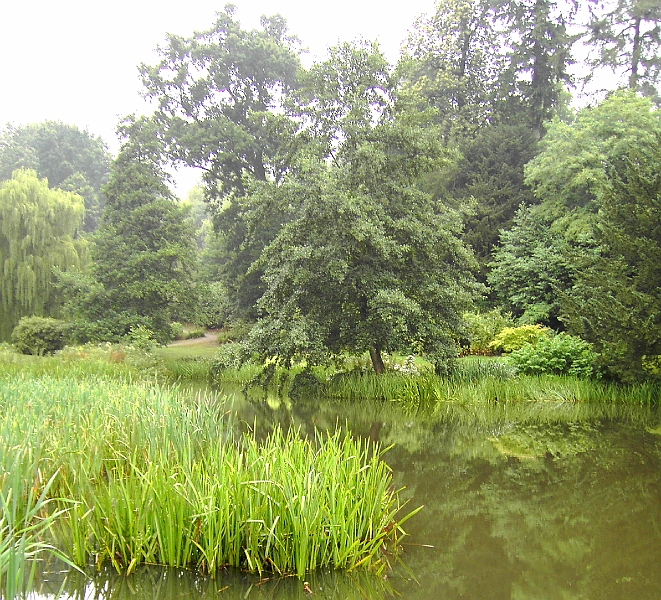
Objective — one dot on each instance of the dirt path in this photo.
(209, 339)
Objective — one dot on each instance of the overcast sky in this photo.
(76, 61)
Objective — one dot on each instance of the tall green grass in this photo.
(146, 475)
(486, 382)
(26, 516)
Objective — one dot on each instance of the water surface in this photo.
(521, 501)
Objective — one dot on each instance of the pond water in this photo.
(521, 501)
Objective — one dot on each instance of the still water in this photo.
(521, 501)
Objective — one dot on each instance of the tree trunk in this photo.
(635, 56)
(377, 361)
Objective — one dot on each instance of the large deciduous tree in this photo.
(454, 58)
(364, 261)
(37, 230)
(570, 168)
(218, 94)
(71, 160)
(627, 37)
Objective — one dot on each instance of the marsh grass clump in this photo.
(142, 474)
(26, 515)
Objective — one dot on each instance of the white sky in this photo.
(76, 61)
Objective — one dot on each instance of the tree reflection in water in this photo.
(522, 501)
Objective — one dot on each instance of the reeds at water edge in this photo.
(138, 474)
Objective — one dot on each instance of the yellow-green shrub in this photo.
(514, 338)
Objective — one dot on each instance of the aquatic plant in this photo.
(147, 475)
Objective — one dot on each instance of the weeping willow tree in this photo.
(37, 230)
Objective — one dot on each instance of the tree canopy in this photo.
(37, 230)
(144, 250)
(217, 95)
(70, 159)
(364, 261)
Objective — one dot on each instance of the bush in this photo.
(562, 354)
(39, 335)
(229, 356)
(142, 337)
(237, 332)
(514, 338)
(213, 307)
(192, 334)
(177, 330)
(483, 328)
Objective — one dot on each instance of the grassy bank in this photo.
(144, 475)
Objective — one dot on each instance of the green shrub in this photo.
(229, 356)
(652, 365)
(195, 333)
(39, 335)
(142, 337)
(514, 338)
(562, 354)
(483, 329)
(236, 332)
(213, 305)
(177, 330)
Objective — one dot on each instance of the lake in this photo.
(521, 501)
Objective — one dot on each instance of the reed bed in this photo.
(25, 517)
(486, 382)
(143, 475)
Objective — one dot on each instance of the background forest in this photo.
(356, 206)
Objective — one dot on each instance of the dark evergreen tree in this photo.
(144, 250)
(616, 302)
(539, 54)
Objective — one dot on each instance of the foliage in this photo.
(39, 335)
(534, 262)
(218, 94)
(151, 478)
(482, 328)
(70, 159)
(366, 261)
(236, 332)
(230, 355)
(627, 37)
(213, 305)
(570, 170)
(514, 338)
(549, 244)
(490, 177)
(141, 337)
(177, 330)
(598, 185)
(37, 233)
(539, 55)
(561, 354)
(454, 57)
(616, 302)
(144, 249)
